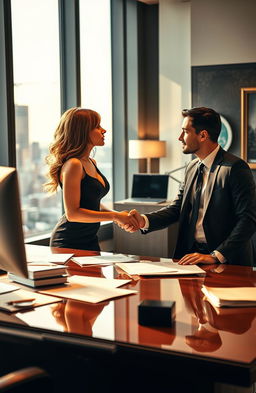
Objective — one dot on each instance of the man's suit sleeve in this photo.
(243, 199)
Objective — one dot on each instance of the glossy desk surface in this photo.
(226, 335)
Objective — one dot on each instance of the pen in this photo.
(21, 301)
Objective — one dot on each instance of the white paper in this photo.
(88, 293)
(182, 269)
(102, 259)
(142, 268)
(98, 281)
(158, 268)
(40, 254)
(5, 288)
(46, 268)
(119, 257)
(36, 271)
(21, 294)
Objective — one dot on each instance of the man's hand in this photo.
(139, 220)
(195, 258)
(124, 219)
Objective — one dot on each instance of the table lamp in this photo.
(147, 149)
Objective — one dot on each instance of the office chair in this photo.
(26, 380)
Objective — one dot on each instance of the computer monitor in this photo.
(12, 249)
(149, 185)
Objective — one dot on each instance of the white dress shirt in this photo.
(199, 230)
(208, 161)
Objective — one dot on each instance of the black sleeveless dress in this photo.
(83, 236)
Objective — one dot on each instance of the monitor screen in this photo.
(150, 185)
(12, 249)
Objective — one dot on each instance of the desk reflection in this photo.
(77, 317)
(210, 321)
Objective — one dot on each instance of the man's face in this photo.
(190, 140)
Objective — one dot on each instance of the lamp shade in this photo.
(147, 149)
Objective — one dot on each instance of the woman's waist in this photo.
(76, 224)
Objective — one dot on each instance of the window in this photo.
(35, 32)
(96, 93)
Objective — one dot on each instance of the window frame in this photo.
(7, 109)
(125, 83)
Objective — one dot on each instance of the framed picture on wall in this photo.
(248, 125)
(225, 137)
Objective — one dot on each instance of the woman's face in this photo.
(96, 136)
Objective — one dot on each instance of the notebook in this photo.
(149, 187)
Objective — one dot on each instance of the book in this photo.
(148, 268)
(230, 297)
(39, 282)
(37, 271)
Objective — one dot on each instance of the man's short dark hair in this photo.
(205, 119)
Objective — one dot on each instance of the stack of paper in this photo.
(39, 276)
(231, 297)
(39, 282)
(159, 269)
(91, 289)
(105, 259)
(37, 271)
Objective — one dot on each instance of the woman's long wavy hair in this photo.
(70, 140)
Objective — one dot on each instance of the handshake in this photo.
(130, 221)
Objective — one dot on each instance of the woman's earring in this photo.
(94, 150)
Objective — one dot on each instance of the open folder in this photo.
(91, 289)
(148, 268)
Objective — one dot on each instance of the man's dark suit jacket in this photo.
(230, 216)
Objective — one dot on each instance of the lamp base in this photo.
(148, 165)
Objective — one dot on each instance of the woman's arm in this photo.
(71, 176)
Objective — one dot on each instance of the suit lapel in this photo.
(212, 177)
(192, 172)
(187, 190)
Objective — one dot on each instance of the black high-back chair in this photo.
(26, 380)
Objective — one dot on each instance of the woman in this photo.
(83, 185)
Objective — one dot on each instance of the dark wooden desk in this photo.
(104, 345)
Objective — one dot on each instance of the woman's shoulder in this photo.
(72, 164)
(71, 169)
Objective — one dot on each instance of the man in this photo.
(216, 204)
